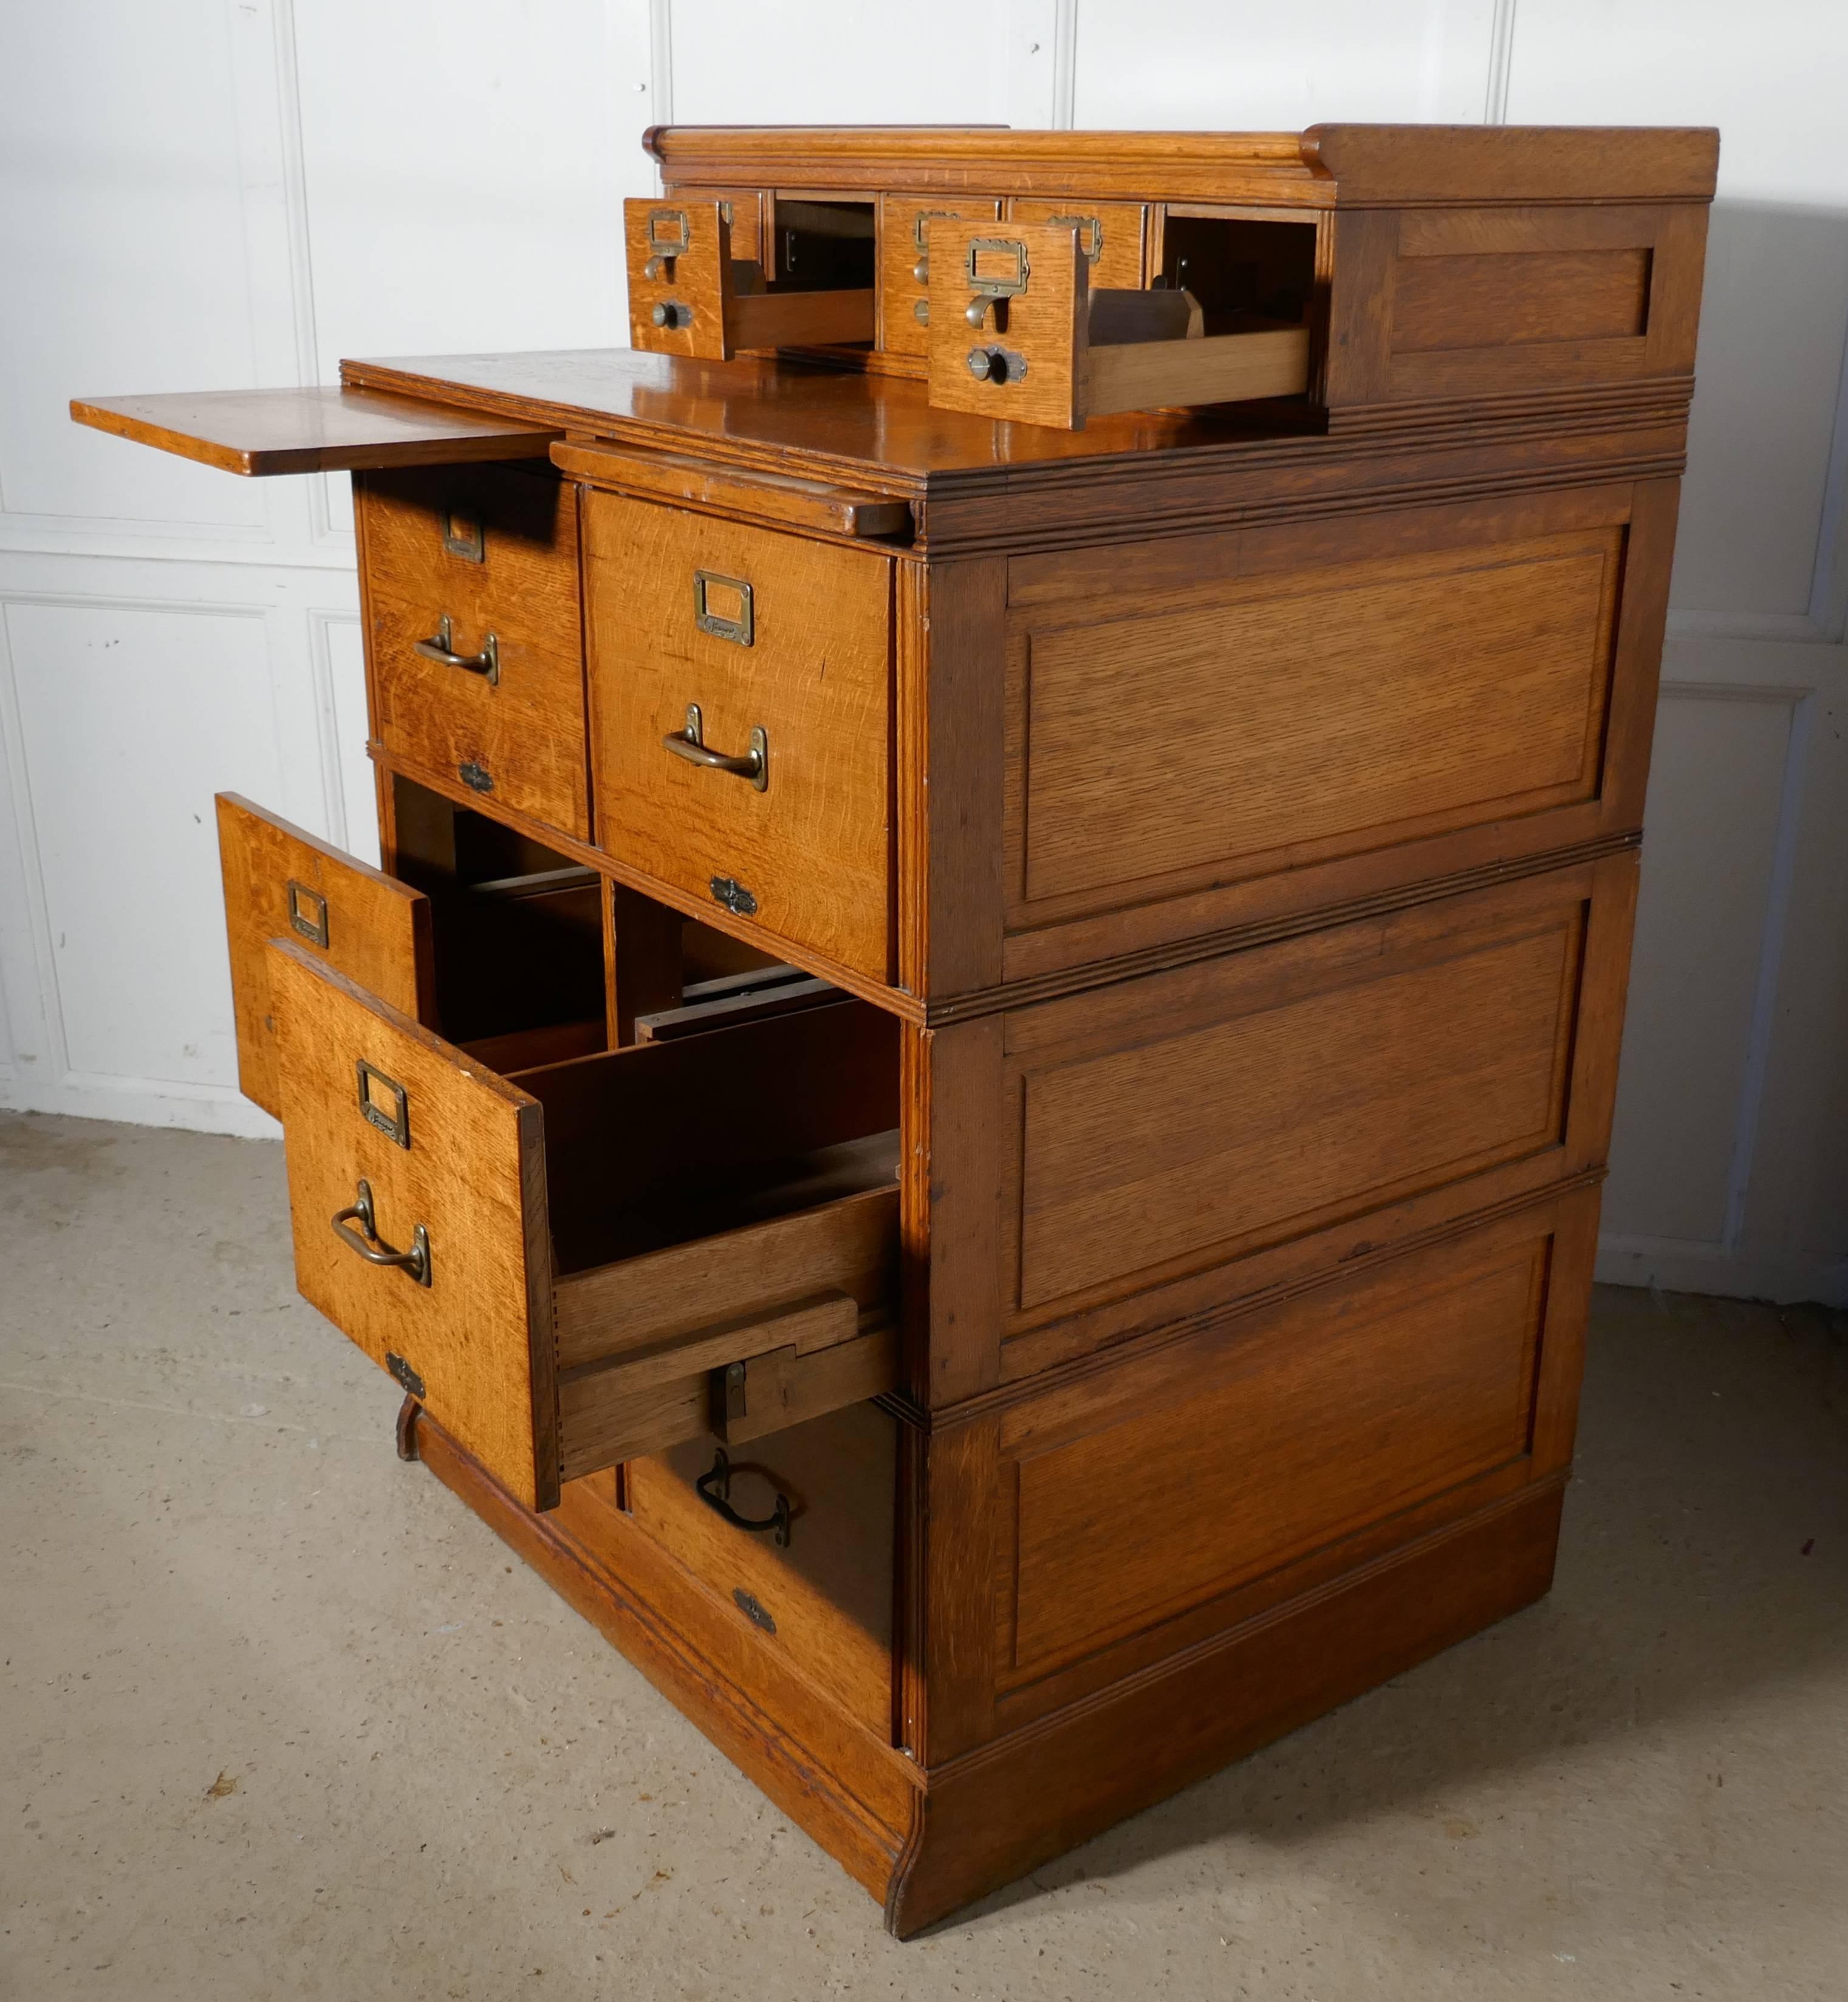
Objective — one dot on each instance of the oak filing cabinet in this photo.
(971, 1100)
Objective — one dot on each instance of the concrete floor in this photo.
(279, 1719)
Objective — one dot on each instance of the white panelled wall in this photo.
(213, 194)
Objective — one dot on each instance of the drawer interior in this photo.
(1248, 274)
(821, 246)
(741, 1125)
(517, 932)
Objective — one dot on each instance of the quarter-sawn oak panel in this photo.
(1336, 1411)
(1170, 1124)
(1287, 719)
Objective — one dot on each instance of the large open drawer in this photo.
(576, 1265)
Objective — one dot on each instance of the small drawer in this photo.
(577, 1264)
(1112, 234)
(470, 577)
(695, 290)
(1020, 330)
(802, 1547)
(444, 958)
(741, 723)
(905, 223)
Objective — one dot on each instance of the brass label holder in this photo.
(377, 1093)
(740, 627)
(308, 913)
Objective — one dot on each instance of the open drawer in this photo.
(1019, 330)
(578, 1265)
(693, 290)
(504, 950)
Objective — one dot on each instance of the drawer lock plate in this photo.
(735, 897)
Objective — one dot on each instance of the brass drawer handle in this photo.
(486, 663)
(690, 744)
(416, 1261)
(715, 1487)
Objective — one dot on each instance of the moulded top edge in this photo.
(1334, 166)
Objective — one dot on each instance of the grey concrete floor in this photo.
(278, 1717)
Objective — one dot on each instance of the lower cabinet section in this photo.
(1149, 1501)
(1131, 1509)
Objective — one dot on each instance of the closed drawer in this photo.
(563, 1264)
(780, 644)
(445, 959)
(471, 576)
(905, 223)
(1112, 235)
(819, 1582)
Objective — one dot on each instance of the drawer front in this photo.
(452, 1158)
(480, 563)
(904, 236)
(1113, 236)
(281, 882)
(1327, 1094)
(557, 1263)
(825, 1598)
(775, 641)
(1366, 1410)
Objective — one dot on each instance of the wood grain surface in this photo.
(311, 430)
(813, 849)
(479, 1336)
(523, 737)
(377, 931)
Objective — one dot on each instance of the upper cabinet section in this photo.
(1048, 278)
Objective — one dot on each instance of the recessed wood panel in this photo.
(1343, 1407)
(1174, 1123)
(1490, 302)
(1236, 727)
(796, 642)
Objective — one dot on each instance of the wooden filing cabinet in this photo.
(971, 1098)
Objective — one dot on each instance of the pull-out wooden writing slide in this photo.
(318, 429)
(688, 294)
(1018, 332)
(566, 1264)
